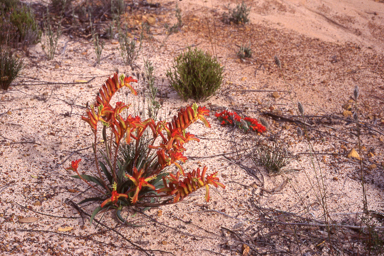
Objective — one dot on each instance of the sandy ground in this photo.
(326, 48)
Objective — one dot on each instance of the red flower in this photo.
(139, 182)
(114, 198)
(74, 165)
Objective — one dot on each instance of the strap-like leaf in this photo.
(96, 211)
(90, 178)
(105, 170)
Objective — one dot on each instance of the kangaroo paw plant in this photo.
(131, 167)
(246, 124)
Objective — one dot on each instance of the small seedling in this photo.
(51, 38)
(273, 158)
(9, 68)
(175, 28)
(244, 52)
(128, 49)
(99, 45)
(149, 78)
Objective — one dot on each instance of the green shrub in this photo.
(9, 68)
(24, 21)
(239, 15)
(196, 75)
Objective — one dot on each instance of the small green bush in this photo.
(239, 15)
(9, 68)
(196, 75)
(24, 20)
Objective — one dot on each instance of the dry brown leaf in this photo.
(64, 229)
(347, 113)
(275, 95)
(245, 250)
(28, 220)
(151, 20)
(353, 154)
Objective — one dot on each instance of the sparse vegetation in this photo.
(61, 5)
(7, 5)
(23, 19)
(195, 75)
(175, 28)
(239, 15)
(9, 68)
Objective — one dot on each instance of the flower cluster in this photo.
(232, 118)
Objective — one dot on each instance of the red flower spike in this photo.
(189, 137)
(201, 112)
(139, 182)
(91, 119)
(111, 86)
(192, 182)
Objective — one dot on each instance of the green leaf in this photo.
(105, 139)
(90, 178)
(106, 159)
(96, 211)
(159, 181)
(105, 170)
(120, 174)
(118, 214)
